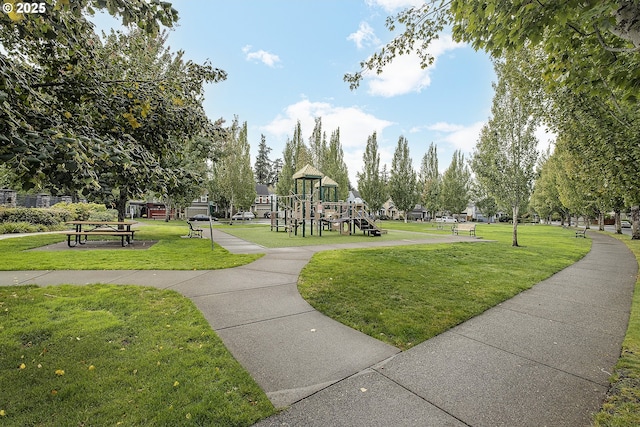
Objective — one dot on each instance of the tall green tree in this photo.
(601, 134)
(302, 154)
(505, 157)
(318, 145)
(80, 117)
(284, 186)
(334, 165)
(160, 103)
(263, 166)
(234, 174)
(571, 186)
(192, 169)
(276, 168)
(370, 183)
(296, 155)
(429, 181)
(545, 199)
(402, 182)
(456, 182)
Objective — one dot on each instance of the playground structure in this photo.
(314, 205)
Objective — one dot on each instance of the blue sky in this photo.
(286, 59)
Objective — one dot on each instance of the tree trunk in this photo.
(635, 223)
(627, 22)
(601, 221)
(121, 204)
(515, 226)
(618, 223)
(167, 209)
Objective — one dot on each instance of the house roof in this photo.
(308, 172)
(354, 196)
(262, 190)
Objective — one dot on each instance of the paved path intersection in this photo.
(541, 358)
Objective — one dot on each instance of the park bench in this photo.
(470, 228)
(125, 235)
(582, 233)
(194, 231)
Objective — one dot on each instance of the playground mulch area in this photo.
(96, 244)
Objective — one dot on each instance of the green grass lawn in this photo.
(105, 355)
(171, 252)
(406, 295)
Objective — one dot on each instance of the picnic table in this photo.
(84, 229)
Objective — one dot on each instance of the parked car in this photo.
(201, 217)
(243, 216)
(446, 219)
(625, 224)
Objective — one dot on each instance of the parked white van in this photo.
(446, 219)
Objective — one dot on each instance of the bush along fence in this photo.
(30, 220)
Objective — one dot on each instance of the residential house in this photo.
(389, 210)
(418, 214)
(198, 206)
(265, 200)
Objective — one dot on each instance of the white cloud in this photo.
(405, 75)
(364, 35)
(265, 57)
(465, 138)
(394, 5)
(461, 137)
(354, 123)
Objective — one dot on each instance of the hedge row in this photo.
(27, 220)
(22, 227)
(43, 216)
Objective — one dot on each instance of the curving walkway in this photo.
(541, 358)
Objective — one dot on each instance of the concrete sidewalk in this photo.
(541, 358)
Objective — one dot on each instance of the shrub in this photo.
(106, 215)
(80, 211)
(47, 217)
(21, 227)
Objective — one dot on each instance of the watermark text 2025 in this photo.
(24, 7)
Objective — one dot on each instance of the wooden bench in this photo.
(126, 236)
(581, 233)
(470, 228)
(194, 231)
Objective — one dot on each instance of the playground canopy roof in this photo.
(327, 182)
(308, 172)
